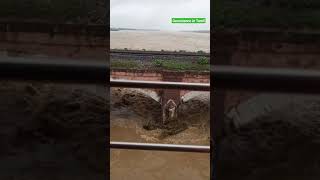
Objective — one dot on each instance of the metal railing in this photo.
(280, 80)
(160, 147)
(93, 72)
(266, 79)
(227, 77)
(160, 85)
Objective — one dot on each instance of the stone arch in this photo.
(263, 104)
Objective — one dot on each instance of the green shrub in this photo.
(158, 63)
(124, 64)
(203, 61)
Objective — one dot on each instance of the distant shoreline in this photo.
(131, 29)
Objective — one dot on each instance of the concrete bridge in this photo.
(172, 76)
(255, 48)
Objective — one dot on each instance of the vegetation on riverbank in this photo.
(125, 64)
(202, 64)
(181, 66)
(288, 14)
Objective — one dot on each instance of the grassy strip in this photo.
(201, 65)
(293, 14)
(125, 64)
(180, 66)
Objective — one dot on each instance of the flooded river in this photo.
(155, 165)
(157, 40)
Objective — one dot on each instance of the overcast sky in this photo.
(157, 14)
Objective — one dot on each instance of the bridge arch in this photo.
(163, 95)
(264, 104)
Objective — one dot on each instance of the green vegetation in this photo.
(293, 14)
(181, 66)
(201, 65)
(158, 63)
(75, 11)
(125, 64)
(203, 61)
(200, 52)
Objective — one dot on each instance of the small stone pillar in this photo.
(170, 95)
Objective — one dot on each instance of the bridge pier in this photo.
(170, 98)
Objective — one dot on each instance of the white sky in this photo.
(157, 14)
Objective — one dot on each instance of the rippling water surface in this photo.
(157, 40)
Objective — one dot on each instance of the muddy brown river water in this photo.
(155, 165)
(157, 40)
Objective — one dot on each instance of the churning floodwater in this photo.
(156, 165)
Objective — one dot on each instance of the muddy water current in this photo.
(126, 125)
(157, 40)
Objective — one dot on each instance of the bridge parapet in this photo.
(56, 40)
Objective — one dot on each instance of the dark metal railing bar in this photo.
(160, 147)
(224, 77)
(266, 79)
(52, 70)
(160, 85)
